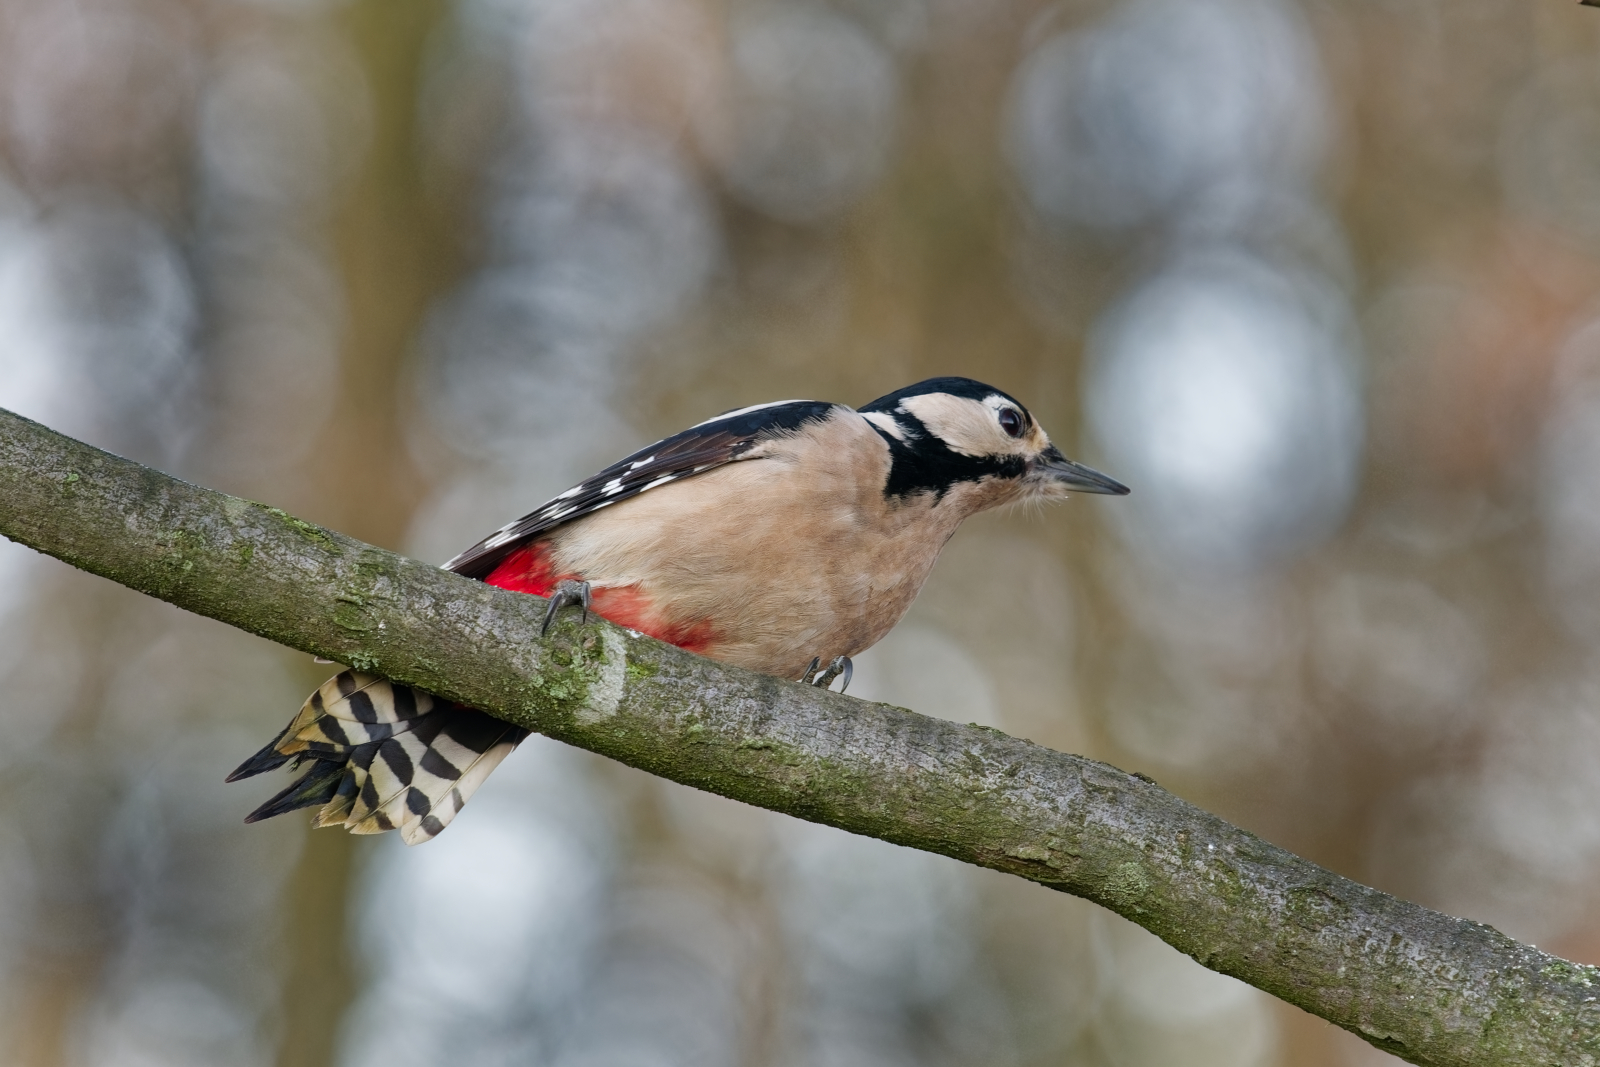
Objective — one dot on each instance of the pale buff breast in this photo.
(789, 556)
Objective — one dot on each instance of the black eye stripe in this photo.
(925, 464)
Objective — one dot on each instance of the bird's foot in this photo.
(824, 679)
(567, 592)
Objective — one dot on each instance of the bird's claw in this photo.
(824, 679)
(567, 592)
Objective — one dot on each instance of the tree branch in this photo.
(1422, 985)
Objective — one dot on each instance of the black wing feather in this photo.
(724, 439)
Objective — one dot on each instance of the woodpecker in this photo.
(779, 537)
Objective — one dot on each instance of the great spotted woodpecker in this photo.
(778, 537)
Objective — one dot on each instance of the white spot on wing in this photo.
(574, 491)
(659, 481)
(645, 462)
(613, 486)
(887, 423)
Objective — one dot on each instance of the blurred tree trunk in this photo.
(392, 261)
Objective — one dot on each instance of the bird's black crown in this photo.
(962, 387)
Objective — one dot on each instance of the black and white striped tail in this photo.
(383, 757)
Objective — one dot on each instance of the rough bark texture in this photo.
(1428, 987)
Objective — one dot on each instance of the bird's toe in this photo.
(841, 665)
(567, 592)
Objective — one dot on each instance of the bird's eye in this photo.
(1011, 422)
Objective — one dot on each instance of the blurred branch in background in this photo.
(1422, 985)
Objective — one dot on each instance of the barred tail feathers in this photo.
(383, 757)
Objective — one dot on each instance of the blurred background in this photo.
(1320, 279)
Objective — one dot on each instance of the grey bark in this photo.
(1427, 987)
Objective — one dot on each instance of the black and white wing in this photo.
(728, 438)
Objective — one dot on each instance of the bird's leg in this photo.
(811, 671)
(840, 665)
(567, 592)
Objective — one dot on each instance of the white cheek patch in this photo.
(968, 427)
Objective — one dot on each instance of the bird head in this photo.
(961, 439)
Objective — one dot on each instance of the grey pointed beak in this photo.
(1075, 476)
